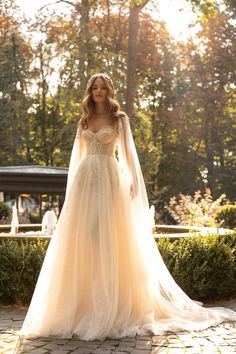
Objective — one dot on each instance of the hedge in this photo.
(226, 216)
(204, 267)
(20, 263)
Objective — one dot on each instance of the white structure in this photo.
(14, 221)
(49, 222)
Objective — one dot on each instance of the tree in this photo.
(134, 10)
(15, 55)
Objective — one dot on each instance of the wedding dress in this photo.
(102, 275)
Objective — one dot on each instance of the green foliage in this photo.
(199, 210)
(20, 263)
(148, 150)
(4, 211)
(226, 216)
(208, 8)
(204, 267)
(197, 126)
(139, 3)
(14, 103)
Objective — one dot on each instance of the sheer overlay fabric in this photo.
(103, 275)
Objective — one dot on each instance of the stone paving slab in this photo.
(220, 339)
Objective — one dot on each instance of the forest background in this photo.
(180, 96)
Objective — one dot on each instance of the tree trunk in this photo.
(131, 78)
(209, 154)
(83, 43)
(14, 97)
(43, 110)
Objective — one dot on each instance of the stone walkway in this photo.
(219, 339)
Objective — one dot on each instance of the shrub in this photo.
(199, 210)
(4, 211)
(226, 216)
(20, 263)
(204, 267)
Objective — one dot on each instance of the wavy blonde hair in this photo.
(88, 106)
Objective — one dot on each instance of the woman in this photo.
(103, 275)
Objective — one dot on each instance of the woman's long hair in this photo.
(88, 105)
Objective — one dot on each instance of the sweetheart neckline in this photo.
(103, 128)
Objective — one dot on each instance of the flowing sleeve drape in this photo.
(160, 279)
(77, 153)
(129, 161)
(127, 154)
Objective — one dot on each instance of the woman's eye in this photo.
(96, 88)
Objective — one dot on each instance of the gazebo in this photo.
(34, 180)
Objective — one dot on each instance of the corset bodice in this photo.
(102, 142)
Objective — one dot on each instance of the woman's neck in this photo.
(100, 109)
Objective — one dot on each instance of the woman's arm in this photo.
(81, 142)
(77, 153)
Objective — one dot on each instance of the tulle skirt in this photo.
(101, 277)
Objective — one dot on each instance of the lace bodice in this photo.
(102, 142)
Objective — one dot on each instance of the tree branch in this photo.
(56, 2)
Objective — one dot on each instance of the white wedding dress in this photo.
(103, 275)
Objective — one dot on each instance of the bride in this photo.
(103, 275)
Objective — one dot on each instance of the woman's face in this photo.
(99, 90)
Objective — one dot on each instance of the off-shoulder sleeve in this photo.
(126, 154)
(82, 147)
(77, 154)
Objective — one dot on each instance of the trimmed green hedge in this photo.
(204, 267)
(20, 263)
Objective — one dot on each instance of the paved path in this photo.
(219, 339)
